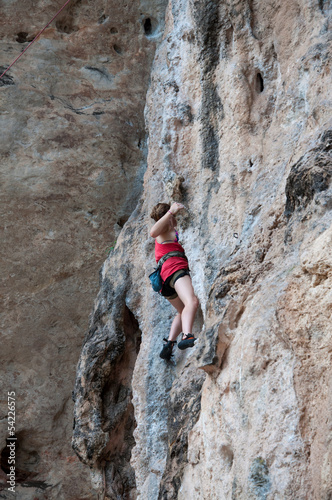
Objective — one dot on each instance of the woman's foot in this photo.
(187, 341)
(166, 351)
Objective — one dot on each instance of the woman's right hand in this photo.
(176, 207)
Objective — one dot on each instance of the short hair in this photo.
(159, 211)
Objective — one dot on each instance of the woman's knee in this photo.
(195, 302)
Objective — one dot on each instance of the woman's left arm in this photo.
(161, 226)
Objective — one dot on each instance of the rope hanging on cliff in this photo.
(37, 36)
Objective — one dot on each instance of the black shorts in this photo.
(168, 289)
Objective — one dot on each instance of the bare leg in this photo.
(186, 295)
(176, 327)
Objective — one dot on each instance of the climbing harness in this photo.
(37, 36)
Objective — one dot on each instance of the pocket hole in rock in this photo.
(150, 26)
(122, 220)
(114, 31)
(259, 83)
(22, 36)
(117, 49)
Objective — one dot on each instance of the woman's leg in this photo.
(176, 327)
(186, 295)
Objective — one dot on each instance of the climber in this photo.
(177, 286)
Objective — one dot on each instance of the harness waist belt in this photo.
(175, 253)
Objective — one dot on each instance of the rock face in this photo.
(73, 155)
(238, 119)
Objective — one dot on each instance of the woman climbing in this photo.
(177, 286)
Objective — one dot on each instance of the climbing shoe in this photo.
(166, 351)
(188, 341)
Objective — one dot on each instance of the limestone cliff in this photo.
(238, 119)
(239, 130)
(73, 155)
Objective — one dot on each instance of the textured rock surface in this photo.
(238, 117)
(238, 120)
(73, 155)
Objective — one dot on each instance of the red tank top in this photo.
(173, 263)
